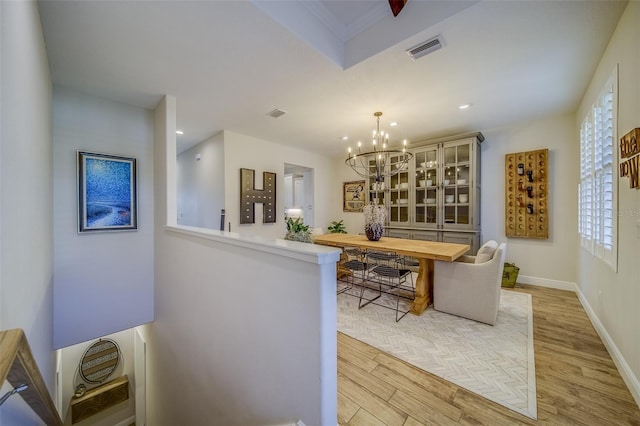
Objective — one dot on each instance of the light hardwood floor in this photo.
(577, 382)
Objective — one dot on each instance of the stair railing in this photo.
(18, 366)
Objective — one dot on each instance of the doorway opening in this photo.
(298, 193)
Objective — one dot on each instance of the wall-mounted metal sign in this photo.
(249, 196)
(630, 157)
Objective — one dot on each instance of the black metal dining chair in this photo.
(387, 269)
(356, 265)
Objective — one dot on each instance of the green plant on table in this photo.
(297, 230)
(296, 225)
(337, 227)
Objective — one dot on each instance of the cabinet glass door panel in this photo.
(432, 214)
(457, 163)
(426, 166)
(450, 155)
(456, 205)
(394, 182)
(399, 214)
(426, 214)
(450, 175)
(419, 200)
(398, 191)
(373, 168)
(399, 197)
(376, 197)
(450, 214)
(395, 162)
(426, 206)
(462, 215)
(456, 154)
(462, 174)
(463, 196)
(450, 195)
(375, 189)
(463, 153)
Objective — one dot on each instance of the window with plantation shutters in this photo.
(597, 190)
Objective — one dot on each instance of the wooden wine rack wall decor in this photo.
(526, 192)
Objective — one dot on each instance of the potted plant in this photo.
(374, 218)
(337, 227)
(297, 231)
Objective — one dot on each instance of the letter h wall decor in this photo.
(249, 196)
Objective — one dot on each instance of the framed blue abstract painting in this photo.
(107, 193)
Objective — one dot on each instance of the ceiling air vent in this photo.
(276, 113)
(427, 47)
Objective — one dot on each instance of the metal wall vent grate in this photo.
(425, 48)
(276, 113)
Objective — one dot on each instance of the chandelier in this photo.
(380, 161)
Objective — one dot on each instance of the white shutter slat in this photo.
(596, 191)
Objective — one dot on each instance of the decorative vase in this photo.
(374, 231)
(374, 218)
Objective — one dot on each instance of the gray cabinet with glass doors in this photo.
(439, 191)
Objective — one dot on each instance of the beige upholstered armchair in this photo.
(471, 287)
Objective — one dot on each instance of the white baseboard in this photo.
(127, 422)
(625, 371)
(545, 282)
(623, 368)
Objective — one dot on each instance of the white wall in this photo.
(201, 184)
(26, 231)
(242, 336)
(353, 221)
(263, 156)
(614, 297)
(551, 261)
(228, 346)
(103, 281)
(70, 361)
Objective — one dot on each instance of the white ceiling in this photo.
(229, 63)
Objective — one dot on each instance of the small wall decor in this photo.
(107, 194)
(630, 157)
(526, 191)
(249, 196)
(99, 361)
(97, 366)
(353, 196)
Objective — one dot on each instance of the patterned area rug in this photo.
(496, 362)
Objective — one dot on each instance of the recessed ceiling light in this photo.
(179, 132)
(344, 138)
(393, 124)
(464, 106)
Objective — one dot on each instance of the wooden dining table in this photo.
(426, 252)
